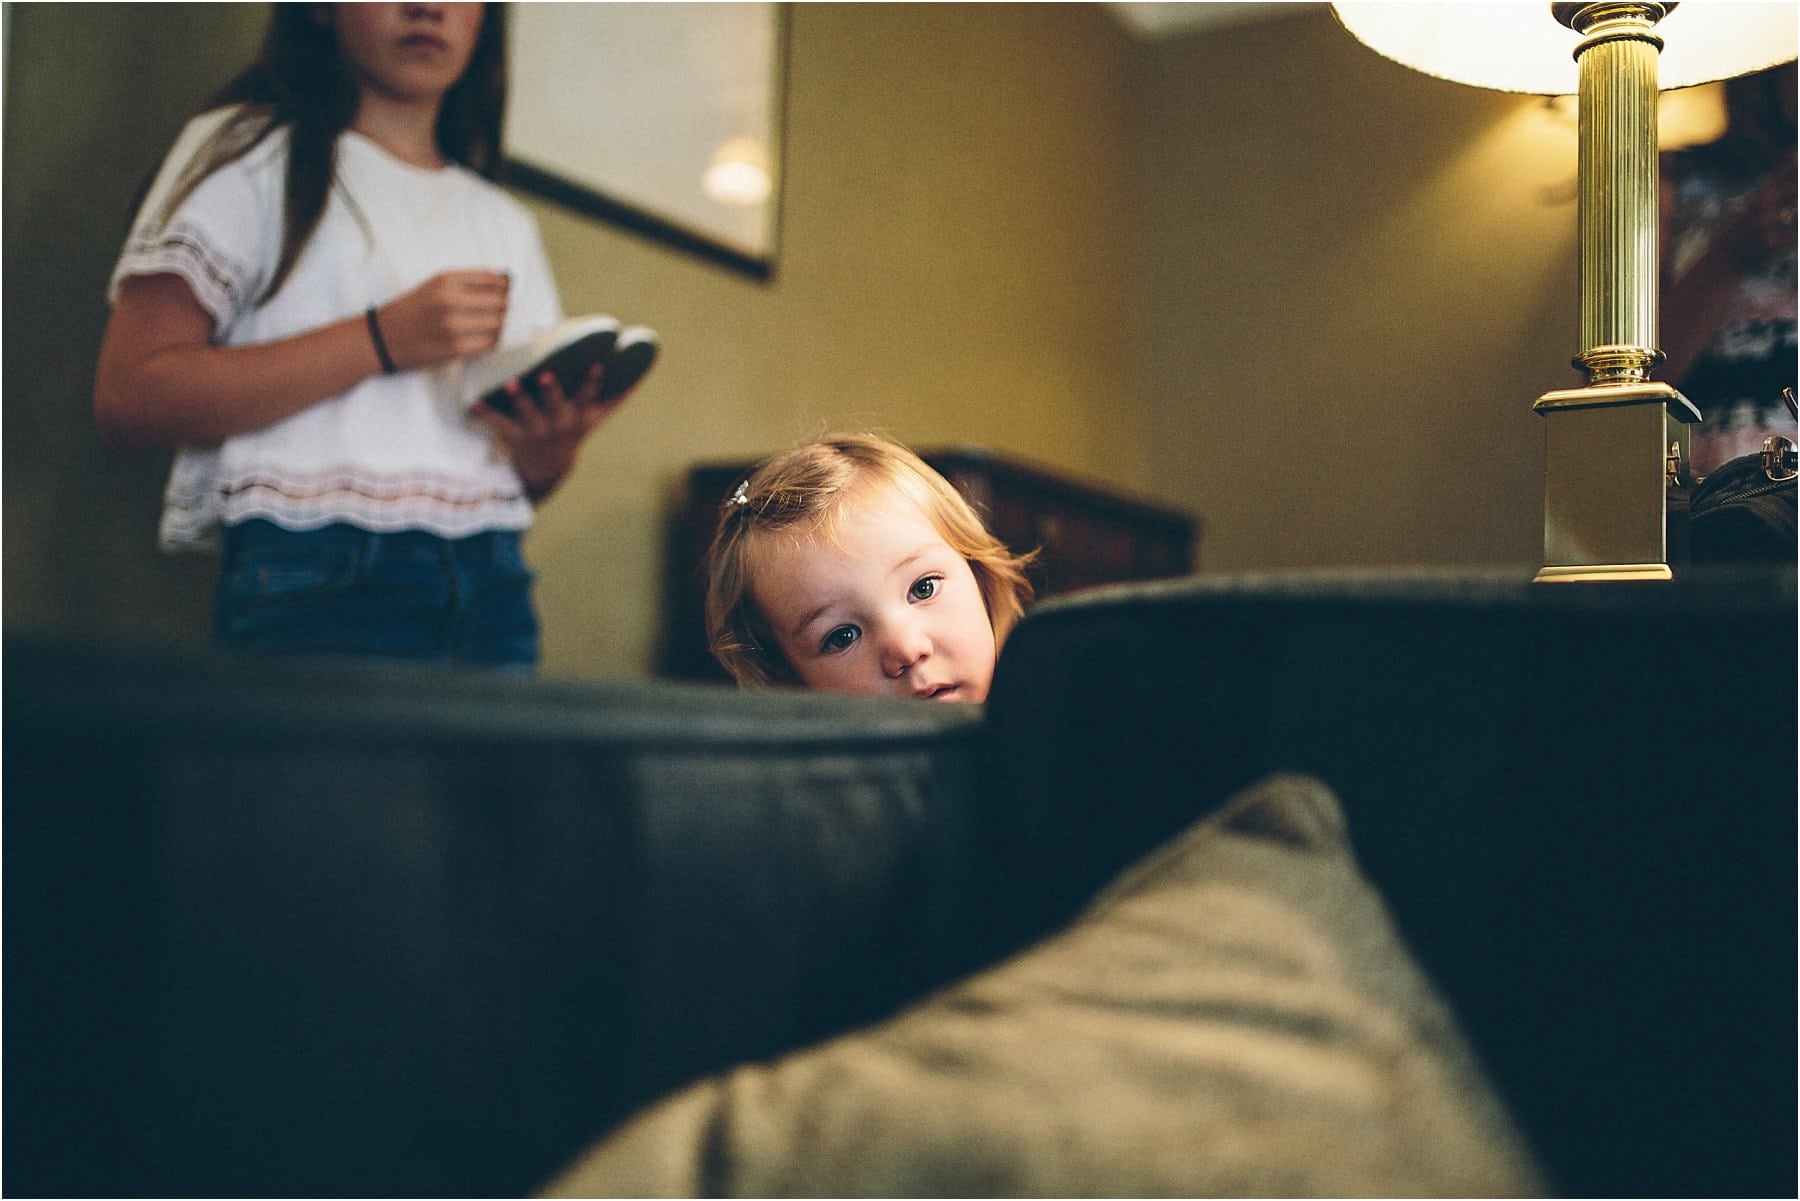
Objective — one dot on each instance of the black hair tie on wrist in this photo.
(381, 350)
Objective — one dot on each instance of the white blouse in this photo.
(394, 452)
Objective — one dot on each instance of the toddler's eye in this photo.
(925, 587)
(840, 639)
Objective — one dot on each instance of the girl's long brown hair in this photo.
(301, 83)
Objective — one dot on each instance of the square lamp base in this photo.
(1612, 454)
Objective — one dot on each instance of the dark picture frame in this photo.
(645, 116)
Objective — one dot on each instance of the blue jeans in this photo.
(345, 591)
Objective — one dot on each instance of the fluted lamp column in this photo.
(1615, 448)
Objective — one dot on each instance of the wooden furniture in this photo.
(1084, 534)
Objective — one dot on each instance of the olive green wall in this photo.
(94, 94)
(1356, 281)
(1261, 273)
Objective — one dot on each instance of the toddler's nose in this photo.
(903, 647)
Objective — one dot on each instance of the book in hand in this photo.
(567, 351)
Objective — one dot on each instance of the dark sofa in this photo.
(1577, 800)
(280, 929)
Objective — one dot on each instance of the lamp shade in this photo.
(1518, 46)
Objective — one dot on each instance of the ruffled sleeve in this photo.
(225, 236)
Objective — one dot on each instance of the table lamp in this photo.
(1614, 448)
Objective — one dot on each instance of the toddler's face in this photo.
(887, 609)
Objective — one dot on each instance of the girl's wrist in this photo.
(542, 473)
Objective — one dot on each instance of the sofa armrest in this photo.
(280, 929)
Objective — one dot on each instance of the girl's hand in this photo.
(449, 316)
(546, 430)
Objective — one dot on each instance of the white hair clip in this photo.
(742, 495)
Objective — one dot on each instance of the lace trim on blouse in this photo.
(180, 248)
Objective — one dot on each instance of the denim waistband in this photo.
(259, 531)
(344, 590)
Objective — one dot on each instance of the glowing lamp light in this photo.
(1513, 46)
(738, 174)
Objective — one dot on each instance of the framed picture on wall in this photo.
(665, 119)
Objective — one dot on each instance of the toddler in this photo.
(849, 565)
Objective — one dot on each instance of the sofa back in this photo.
(1578, 801)
(277, 929)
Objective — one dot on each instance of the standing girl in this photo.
(318, 253)
(849, 565)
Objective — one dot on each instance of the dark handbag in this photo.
(1744, 511)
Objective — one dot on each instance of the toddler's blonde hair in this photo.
(805, 491)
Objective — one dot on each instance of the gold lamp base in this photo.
(1612, 455)
(1603, 573)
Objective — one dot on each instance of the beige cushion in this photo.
(1234, 1017)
